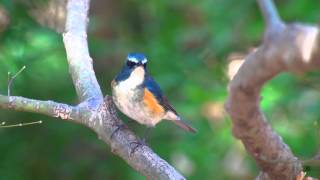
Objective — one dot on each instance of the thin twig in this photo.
(11, 79)
(2, 125)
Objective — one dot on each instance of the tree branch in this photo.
(296, 48)
(48, 108)
(93, 111)
(80, 62)
(270, 14)
(272, 19)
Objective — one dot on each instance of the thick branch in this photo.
(295, 49)
(48, 108)
(80, 62)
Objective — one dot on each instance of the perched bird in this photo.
(138, 96)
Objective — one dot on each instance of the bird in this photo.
(137, 95)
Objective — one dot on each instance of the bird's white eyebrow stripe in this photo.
(133, 59)
(144, 61)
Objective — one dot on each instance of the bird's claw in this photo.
(139, 143)
(119, 127)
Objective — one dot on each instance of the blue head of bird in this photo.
(133, 61)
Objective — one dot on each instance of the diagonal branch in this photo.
(80, 62)
(11, 79)
(296, 48)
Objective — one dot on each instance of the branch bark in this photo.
(48, 108)
(294, 47)
(94, 111)
(80, 62)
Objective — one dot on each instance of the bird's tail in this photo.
(184, 125)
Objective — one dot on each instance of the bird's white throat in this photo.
(125, 94)
(135, 79)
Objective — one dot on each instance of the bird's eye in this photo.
(131, 64)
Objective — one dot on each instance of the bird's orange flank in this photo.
(152, 103)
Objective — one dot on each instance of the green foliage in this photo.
(187, 44)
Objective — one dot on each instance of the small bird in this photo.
(138, 95)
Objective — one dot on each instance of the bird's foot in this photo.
(136, 144)
(119, 127)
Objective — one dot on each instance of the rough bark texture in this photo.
(94, 111)
(293, 47)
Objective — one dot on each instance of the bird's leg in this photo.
(141, 142)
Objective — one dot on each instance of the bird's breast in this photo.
(128, 94)
(129, 91)
(137, 103)
(126, 97)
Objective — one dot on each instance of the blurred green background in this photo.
(189, 45)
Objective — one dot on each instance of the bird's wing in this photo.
(153, 87)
